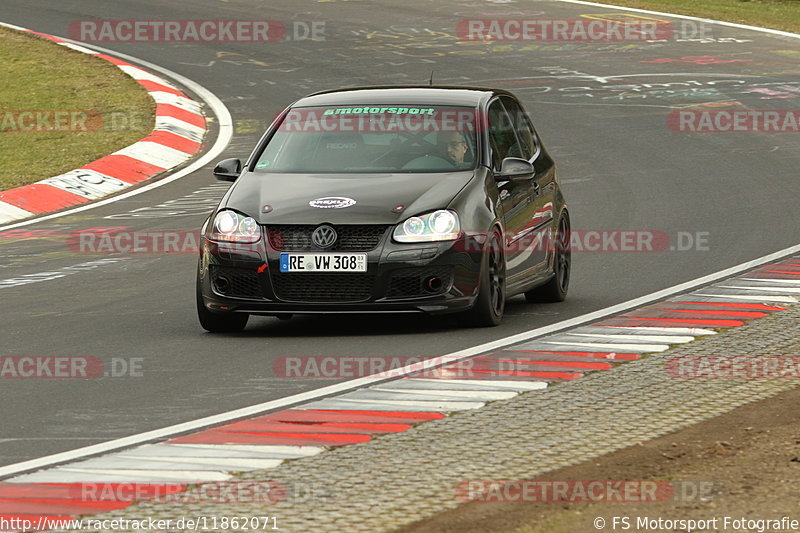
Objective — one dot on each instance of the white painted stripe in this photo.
(678, 331)
(482, 395)
(569, 338)
(748, 289)
(393, 405)
(669, 339)
(723, 298)
(182, 132)
(117, 462)
(779, 281)
(541, 346)
(220, 463)
(602, 347)
(373, 395)
(154, 154)
(137, 73)
(267, 449)
(175, 125)
(10, 212)
(86, 183)
(13, 27)
(79, 48)
(186, 134)
(187, 475)
(26, 279)
(433, 405)
(790, 290)
(754, 298)
(476, 384)
(61, 475)
(182, 102)
(179, 452)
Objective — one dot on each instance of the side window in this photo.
(523, 127)
(501, 135)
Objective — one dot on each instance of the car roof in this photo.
(394, 94)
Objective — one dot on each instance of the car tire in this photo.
(218, 322)
(556, 289)
(490, 304)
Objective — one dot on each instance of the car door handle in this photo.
(536, 188)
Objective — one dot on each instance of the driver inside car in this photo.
(456, 150)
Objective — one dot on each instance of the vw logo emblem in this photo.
(324, 237)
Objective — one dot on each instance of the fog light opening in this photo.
(433, 284)
(222, 284)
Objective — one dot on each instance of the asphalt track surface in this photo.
(621, 168)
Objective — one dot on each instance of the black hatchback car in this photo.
(387, 199)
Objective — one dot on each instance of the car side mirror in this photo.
(515, 168)
(228, 169)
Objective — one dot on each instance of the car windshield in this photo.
(372, 139)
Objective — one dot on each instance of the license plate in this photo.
(323, 263)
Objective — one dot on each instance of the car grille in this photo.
(336, 287)
(351, 238)
(410, 282)
(235, 282)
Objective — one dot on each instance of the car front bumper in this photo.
(430, 278)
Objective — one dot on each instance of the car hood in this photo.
(375, 196)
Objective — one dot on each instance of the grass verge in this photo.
(777, 14)
(61, 109)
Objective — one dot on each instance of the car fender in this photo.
(478, 204)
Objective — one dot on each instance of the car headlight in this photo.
(440, 225)
(230, 226)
